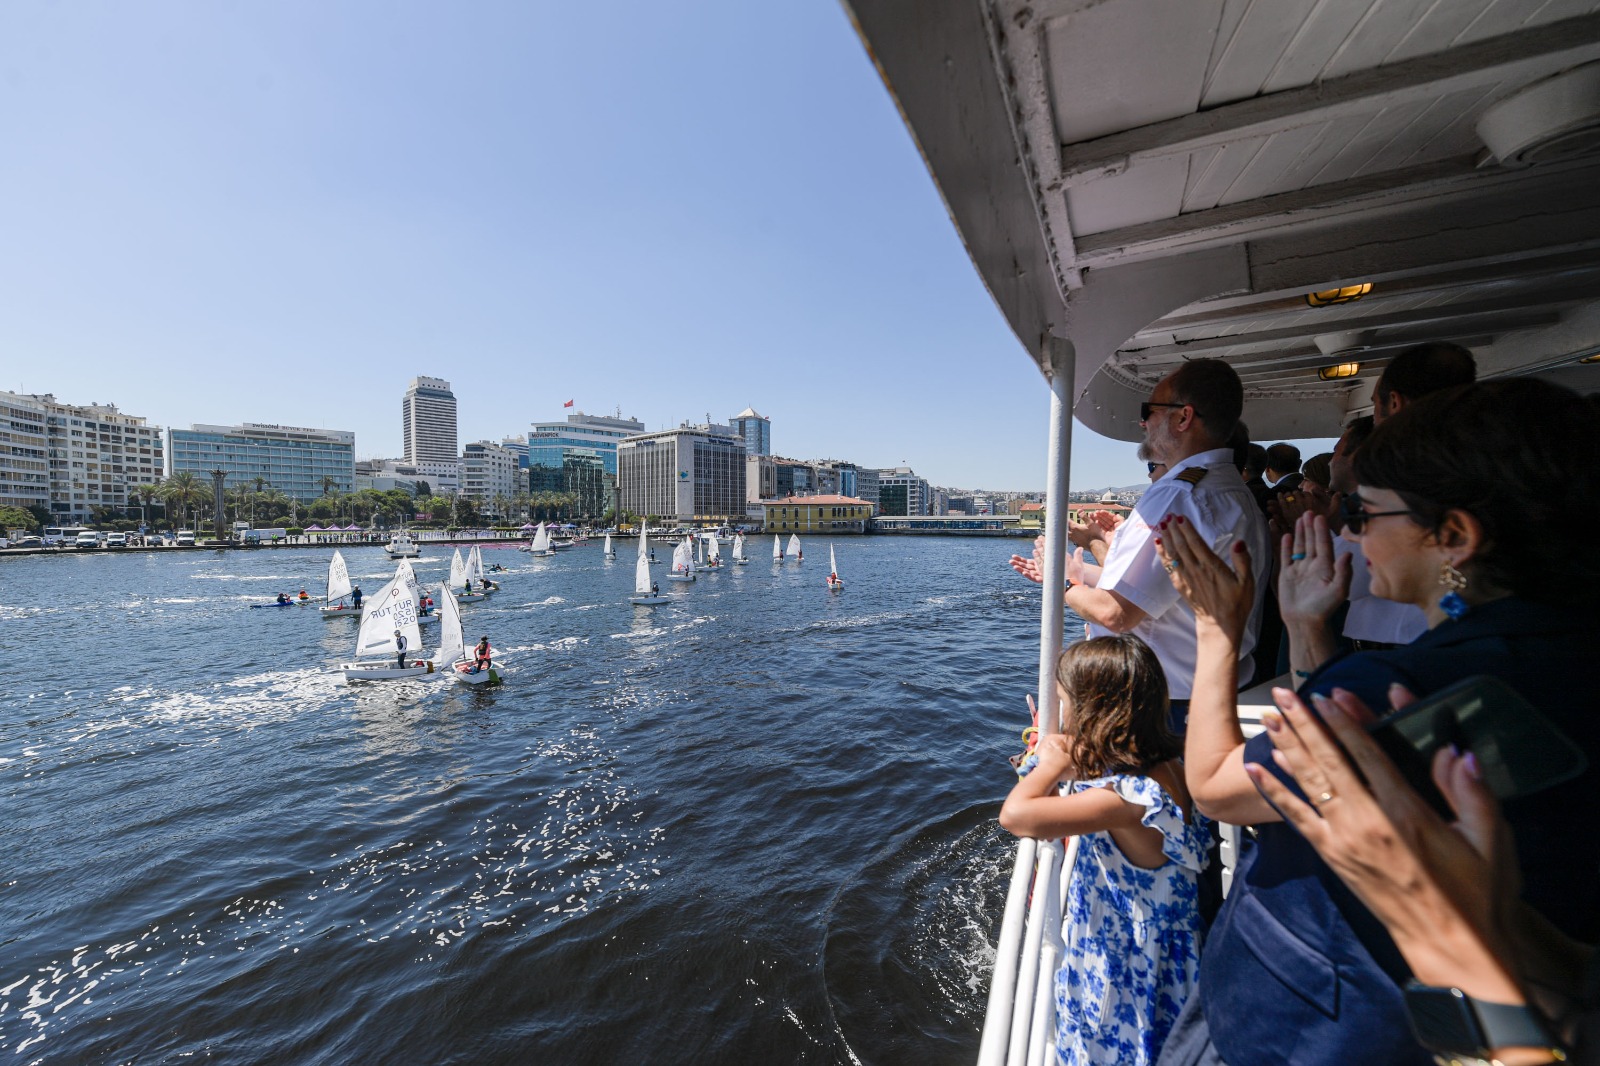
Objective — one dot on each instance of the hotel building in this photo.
(291, 459)
(428, 422)
(688, 474)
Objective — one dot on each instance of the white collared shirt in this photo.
(1222, 509)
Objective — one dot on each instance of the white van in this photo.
(185, 538)
(87, 539)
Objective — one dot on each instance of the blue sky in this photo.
(282, 212)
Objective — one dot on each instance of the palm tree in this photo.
(185, 491)
(329, 483)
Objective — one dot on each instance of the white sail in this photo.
(475, 563)
(641, 576)
(738, 546)
(713, 553)
(403, 572)
(700, 554)
(777, 549)
(608, 544)
(451, 646)
(682, 559)
(541, 539)
(794, 545)
(458, 572)
(338, 578)
(394, 607)
(644, 542)
(833, 565)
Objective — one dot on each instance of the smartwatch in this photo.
(1450, 1021)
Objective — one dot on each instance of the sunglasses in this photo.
(1355, 519)
(1150, 468)
(1146, 407)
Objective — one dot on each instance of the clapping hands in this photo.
(1220, 595)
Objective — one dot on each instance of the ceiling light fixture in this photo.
(1332, 297)
(1338, 370)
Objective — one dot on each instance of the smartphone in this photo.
(1519, 750)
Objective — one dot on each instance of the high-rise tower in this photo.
(428, 413)
(756, 431)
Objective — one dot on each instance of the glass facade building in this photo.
(756, 431)
(578, 455)
(291, 459)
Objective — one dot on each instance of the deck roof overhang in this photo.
(1157, 181)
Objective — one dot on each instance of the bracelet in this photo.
(1306, 674)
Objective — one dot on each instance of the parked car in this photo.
(116, 540)
(185, 538)
(87, 539)
(29, 541)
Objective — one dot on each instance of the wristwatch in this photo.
(1450, 1021)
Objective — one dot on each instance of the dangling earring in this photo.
(1453, 581)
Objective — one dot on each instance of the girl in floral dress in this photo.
(1132, 919)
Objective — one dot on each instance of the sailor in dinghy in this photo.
(834, 584)
(339, 589)
(388, 627)
(645, 592)
(470, 668)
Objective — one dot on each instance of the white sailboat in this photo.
(682, 563)
(794, 547)
(777, 549)
(392, 611)
(738, 550)
(713, 553)
(458, 580)
(833, 571)
(338, 590)
(453, 654)
(644, 592)
(404, 572)
(611, 553)
(476, 572)
(541, 542)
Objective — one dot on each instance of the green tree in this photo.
(15, 518)
(184, 491)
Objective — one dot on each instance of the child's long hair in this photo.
(1119, 706)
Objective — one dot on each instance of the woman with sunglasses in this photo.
(1477, 505)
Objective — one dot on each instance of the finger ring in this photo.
(1297, 556)
(1173, 565)
(1324, 798)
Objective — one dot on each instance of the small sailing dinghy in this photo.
(834, 583)
(458, 580)
(338, 590)
(611, 553)
(713, 553)
(476, 572)
(392, 612)
(405, 573)
(644, 591)
(541, 542)
(738, 550)
(777, 549)
(794, 547)
(453, 655)
(682, 563)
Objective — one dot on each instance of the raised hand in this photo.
(1220, 594)
(1032, 567)
(1312, 583)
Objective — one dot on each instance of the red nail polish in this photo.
(1158, 540)
(1238, 545)
(1180, 520)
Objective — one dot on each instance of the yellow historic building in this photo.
(817, 514)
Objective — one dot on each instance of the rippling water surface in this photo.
(756, 824)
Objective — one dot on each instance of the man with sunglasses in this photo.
(1188, 421)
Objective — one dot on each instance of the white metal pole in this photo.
(1028, 964)
(1003, 983)
(1063, 358)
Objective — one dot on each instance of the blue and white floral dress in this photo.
(1132, 935)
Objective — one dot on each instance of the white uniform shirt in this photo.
(1212, 497)
(1372, 617)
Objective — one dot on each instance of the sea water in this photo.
(754, 824)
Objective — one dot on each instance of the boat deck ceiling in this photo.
(1161, 180)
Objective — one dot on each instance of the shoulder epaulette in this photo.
(1193, 474)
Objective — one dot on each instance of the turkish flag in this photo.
(567, 404)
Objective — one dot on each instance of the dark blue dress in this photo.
(1296, 971)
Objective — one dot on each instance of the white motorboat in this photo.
(644, 591)
(401, 546)
(795, 552)
(339, 589)
(389, 615)
(682, 563)
(738, 550)
(453, 655)
(834, 584)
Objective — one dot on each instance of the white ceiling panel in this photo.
(1369, 45)
(1439, 28)
(1502, 16)
(1266, 171)
(1324, 33)
(1145, 192)
(1103, 92)
(1241, 67)
(1378, 135)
